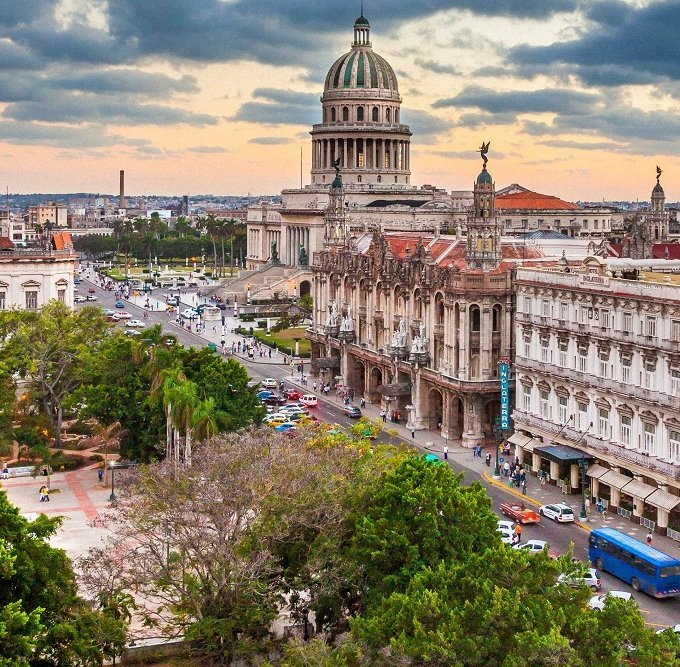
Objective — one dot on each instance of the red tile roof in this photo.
(658, 250)
(533, 201)
(62, 241)
(6, 243)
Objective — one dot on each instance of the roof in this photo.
(6, 243)
(533, 201)
(362, 20)
(484, 176)
(544, 234)
(384, 203)
(563, 454)
(62, 241)
(361, 68)
(658, 250)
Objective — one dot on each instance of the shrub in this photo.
(262, 324)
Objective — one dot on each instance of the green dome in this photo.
(484, 177)
(362, 20)
(361, 68)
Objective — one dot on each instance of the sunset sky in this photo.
(579, 98)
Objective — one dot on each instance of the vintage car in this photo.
(519, 513)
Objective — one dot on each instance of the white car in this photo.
(137, 324)
(597, 602)
(309, 400)
(79, 298)
(268, 383)
(674, 628)
(189, 313)
(557, 512)
(507, 536)
(533, 546)
(90, 297)
(504, 524)
(123, 315)
(589, 579)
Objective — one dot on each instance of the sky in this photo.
(579, 98)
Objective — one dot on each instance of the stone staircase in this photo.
(286, 286)
(259, 280)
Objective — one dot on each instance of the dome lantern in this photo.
(362, 30)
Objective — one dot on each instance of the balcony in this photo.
(575, 438)
(621, 390)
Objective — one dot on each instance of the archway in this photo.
(436, 411)
(456, 418)
(357, 377)
(305, 288)
(375, 379)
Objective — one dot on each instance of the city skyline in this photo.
(220, 97)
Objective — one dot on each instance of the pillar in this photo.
(486, 372)
(374, 163)
(462, 342)
(472, 422)
(574, 476)
(615, 498)
(595, 486)
(535, 461)
(554, 470)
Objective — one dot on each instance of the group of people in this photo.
(395, 416)
(44, 494)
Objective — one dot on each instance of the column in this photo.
(462, 342)
(472, 422)
(345, 162)
(535, 462)
(595, 488)
(574, 476)
(554, 470)
(375, 154)
(506, 337)
(485, 343)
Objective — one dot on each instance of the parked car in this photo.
(272, 399)
(264, 393)
(597, 602)
(119, 304)
(295, 407)
(532, 546)
(293, 395)
(352, 412)
(124, 316)
(90, 297)
(506, 525)
(309, 400)
(189, 314)
(557, 512)
(132, 332)
(286, 426)
(269, 383)
(507, 536)
(78, 298)
(589, 579)
(672, 628)
(519, 513)
(136, 324)
(108, 312)
(91, 290)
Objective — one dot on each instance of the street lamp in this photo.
(583, 467)
(498, 433)
(113, 465)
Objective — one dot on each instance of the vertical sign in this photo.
(504, 372)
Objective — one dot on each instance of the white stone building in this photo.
(29, 278)
(597, 361)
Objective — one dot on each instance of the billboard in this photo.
(504, 373)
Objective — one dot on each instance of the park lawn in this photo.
(285, 340)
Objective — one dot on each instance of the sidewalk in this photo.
(537, 494)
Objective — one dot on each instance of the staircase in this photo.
(259, 280)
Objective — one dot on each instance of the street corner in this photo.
(502, 485)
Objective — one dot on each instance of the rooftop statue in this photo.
(484, 150)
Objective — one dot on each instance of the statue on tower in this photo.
(303, 259)
(659, 171)
(483, 151)
(274, 254)
(336, 166)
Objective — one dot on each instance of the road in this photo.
(658, 613)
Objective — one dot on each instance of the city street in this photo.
(658, 613)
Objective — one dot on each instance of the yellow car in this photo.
(276, 421)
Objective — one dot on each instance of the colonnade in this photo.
(362, 153)
(295, 237)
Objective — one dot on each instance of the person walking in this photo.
(314, 386)
(446, 453)
(383, 416)
(649, 538)
(488, 459)
(413, 433)
(587, 504)
(100, 474)
(518, 532)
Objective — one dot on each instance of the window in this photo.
(626, 363)
(475, 319)
(582, 416)
(604, 319)
(388, 115)
(674, 445)
(61, 295)
(583, 359)
(603, 423)
(650, 329)
(360, 114)
(649, 374)
(387, 164)
(604, 363)
(359, 178)
(675, 381)
(345, 114)
(564, 409)
(563, 349)
(649, 444)
(585, 224)
(625, 429)
(31, 300)
(527, 399)
(628, 322)
(527, 305)
(583, 314)
(564, 311)
(545, 308)
(333, 115)
(545, 352)
(545, 404)
(374, 114)
(361, 160)
(527, 348)
(496, 318)
(2, 301)
(675, 330)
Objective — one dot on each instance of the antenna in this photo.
(300, 167)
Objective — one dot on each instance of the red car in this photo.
(293, 395)
(519, 513)
(91, 290)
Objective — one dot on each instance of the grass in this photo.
(284, 340)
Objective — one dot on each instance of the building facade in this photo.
(54, 215)
(598, 381)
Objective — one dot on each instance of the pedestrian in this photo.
(518, 532)
(5, 471)
(383, 416)
(649, 538)
(313, 384)
(446, 453)
(362, 403)
(488, 459)
(100, 474)
(506, 469)
(587, 504)
(413, 433)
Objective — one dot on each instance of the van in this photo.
(309, 400)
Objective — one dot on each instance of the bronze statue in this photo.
(483, 151)
(659, 171)
(274, 253)
(336, 166)
(303, 259)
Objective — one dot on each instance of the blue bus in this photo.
(643, 567)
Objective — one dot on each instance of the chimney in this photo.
(185, 205)
(121, 199)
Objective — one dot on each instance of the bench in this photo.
(22, 471)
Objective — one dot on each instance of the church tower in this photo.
(658, 217)
(483, 227)
(336, 225)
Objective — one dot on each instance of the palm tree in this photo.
(165, 385)
(204, 420)
(185, 399)
(109, 435)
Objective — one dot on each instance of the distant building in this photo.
(54, 214)
(29, 278)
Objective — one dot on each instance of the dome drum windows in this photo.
(375, 114)
(360, 114)
(345, 114)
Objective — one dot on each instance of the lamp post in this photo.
(583, 467)
(112, 466)
(498, 433)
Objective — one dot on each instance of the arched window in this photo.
(497, 311)
(333, 115)
(474, 367)
(374, 114)
(388, 115)
(360, 114)
(475, 319)
(379, 178)
(345, 114)
(359, 178)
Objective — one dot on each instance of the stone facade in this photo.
(598, 369)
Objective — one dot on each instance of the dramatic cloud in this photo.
(270, 141)
(206, 150)
(425, 126)
(61, 136)
(281, 107)
(434, 66)
(126, 81)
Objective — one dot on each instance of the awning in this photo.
(326, 362)
(638, 489)
(519, 439)
(615, 479)
(663, 499)
(529, 446)
(596, 471)
(563, 454)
